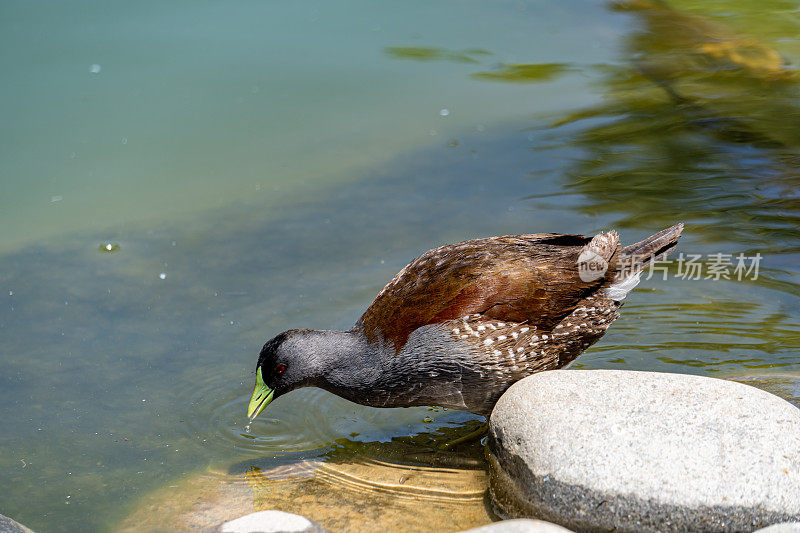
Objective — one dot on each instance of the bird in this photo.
(463, 322)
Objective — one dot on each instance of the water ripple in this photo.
(306, 419)
(218, 406)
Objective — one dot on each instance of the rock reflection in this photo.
(675, 44)
(431, 53)
(524, 72)
(702, 126)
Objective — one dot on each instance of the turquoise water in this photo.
(198, 105)
(277, 163)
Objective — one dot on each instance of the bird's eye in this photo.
(279, 369)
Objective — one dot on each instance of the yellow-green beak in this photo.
(262, 395)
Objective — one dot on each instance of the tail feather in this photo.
(635, 257)
(631, 260)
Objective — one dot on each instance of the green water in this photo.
(279, 162)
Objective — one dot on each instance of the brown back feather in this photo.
(524, 278)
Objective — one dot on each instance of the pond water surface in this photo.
(261, 166)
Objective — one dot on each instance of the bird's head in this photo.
(293, 359)
(277, 372)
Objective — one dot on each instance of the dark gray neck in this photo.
(342, 362)
(431, 369)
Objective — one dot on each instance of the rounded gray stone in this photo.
(7, 525)
(786, 527)
(596, 450)
(271, 522)
(519, 525)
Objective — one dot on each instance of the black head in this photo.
(288, 361)
(283, 364)
(304, 358)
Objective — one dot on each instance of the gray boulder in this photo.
(271, 522)
(8, 525)
(786, 527)
(596, 450)
(519, 525)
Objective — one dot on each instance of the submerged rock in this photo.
(644, 451)
(407, 484)
(271, 522)
(8, 525)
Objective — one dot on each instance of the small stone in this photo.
(520, 525)
(271, 522)
(109, 247)
(644, 451)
